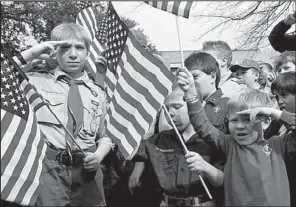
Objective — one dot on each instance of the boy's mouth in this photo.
(241, 134)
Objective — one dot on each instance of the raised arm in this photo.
(198, 117)
(278, 38)
(44, 50)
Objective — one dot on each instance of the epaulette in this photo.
(45, 71)
(224, 96)
(101, 87)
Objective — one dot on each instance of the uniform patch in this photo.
(164, 150)
(267, 150)
(217, 109)
(94, 93)
(95, 103)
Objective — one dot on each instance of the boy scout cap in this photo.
(246, 64)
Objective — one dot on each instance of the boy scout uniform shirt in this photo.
(216, 110)
(167, 157)
(54, 89)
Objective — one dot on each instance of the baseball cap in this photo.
(246, 64)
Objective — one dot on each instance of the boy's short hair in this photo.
(285, 57)
(205, 63)
(284, 83)
(221, 47)
(66, 31)
(248, 99)
(267, 65)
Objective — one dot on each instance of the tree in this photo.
(20, 20)
(252, 20)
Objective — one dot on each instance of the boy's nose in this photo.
(72, 53)
(240, 125)
(171, 112)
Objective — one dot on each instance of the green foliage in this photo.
(20, 20)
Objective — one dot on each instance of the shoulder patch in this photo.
(98, 86)
(42, 73)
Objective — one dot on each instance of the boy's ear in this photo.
(266, 123)
(223, 61)
(213, 75)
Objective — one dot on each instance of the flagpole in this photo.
(26, 78)
(172, 123)
(180, 45)
(185, 149)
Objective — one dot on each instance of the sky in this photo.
(161, 27)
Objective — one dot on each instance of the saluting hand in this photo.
(44, 50)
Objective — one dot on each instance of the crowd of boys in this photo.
(237, 122)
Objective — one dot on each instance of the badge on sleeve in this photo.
(266, 149)
(94, 93)
(217, 109)
(95, 103)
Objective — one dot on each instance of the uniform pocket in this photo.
(56, 102)
(166, 162)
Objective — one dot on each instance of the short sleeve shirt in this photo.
(54, 90)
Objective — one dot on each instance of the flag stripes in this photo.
(21, 171)
(136, 86)
(139, 92)
(180, 8)
(35, 99)
(22, 144)
(87, 19)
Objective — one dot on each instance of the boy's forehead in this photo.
(195, 70)
(73, 41)
(233, 110)
(174, 97)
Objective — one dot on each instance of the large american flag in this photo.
(180, 8)
(22, 143)
(137, 84)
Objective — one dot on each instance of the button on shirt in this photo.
(54, 89)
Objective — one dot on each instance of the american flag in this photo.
(180, 8)
(22, 144)
(137, 84)
(88, 19)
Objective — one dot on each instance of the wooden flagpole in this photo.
(170, 119)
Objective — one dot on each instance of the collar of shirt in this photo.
(225, 78)
(192, 139)
(215, 97)
(85, 78)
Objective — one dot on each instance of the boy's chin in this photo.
(245, 141)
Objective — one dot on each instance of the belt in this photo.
(186, 201)
(63, 157)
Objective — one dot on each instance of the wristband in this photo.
(191, 98)
(21, 59)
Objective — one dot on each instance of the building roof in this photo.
(173, 58)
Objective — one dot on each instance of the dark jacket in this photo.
(279, 40)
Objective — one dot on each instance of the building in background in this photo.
(173, 58)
